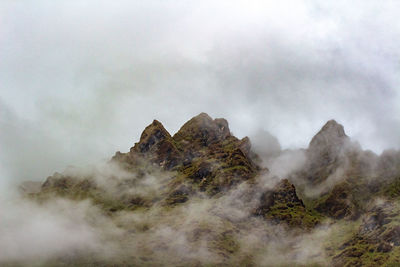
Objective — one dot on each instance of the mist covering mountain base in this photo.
(203, 197)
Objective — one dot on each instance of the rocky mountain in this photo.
(241, 210)
(327, 151)
(206, 157)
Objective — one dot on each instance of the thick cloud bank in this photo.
(81, 80)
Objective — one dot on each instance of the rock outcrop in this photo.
(203, 161)
(329, 141)
(326, 152)
(155, 145)
(203, 156)
(281, 204)
(202, 131)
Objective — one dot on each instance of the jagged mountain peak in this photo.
(204, 165)
(331, 135)
(203, 129)
(203, 119)
(157, 123)
(155, 145)
(152, 135)
(202, 115)
(203, 150)
(154, 127)
(333, 126)
(326, 151)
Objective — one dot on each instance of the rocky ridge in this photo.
(204, 160)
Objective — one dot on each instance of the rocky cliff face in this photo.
(327, 152)
(203, 152)
(329, 141)
(281, 204)
(204, 162)
(155, 145)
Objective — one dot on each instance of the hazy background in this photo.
(80, 80)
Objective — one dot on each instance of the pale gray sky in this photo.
(80, 80)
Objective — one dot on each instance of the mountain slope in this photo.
(208, 189)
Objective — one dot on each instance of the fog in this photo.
(80, 81)
(63, 231)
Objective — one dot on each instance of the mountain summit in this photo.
(326, 151)
(329, 140)
(203, 150)
(203, 130)
(203, 189)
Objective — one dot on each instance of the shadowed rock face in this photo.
(328, 143)
(283, 192)
(212, 159)
(203, 161)
(202, 131)
(377, 235)
(203, 152)
(347, 175)
(338, 204)
(155, 145)
(281, 204)
(332, 133)
(333, 165)
(327, 151)
(151, 137)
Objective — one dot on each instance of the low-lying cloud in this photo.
(204, 230)
(79, 81)
(85, 78)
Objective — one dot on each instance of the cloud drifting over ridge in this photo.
(81, 80)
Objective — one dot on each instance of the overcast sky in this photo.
(80, 80)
